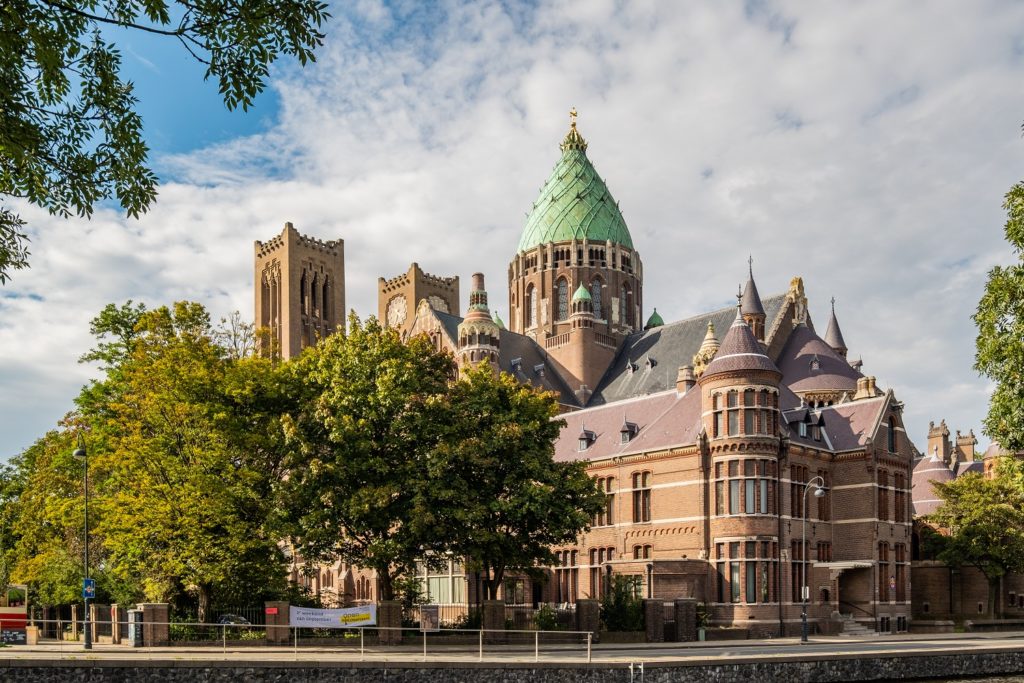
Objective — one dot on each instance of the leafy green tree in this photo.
(984, 518)
(69, 133)
(1000, 321)
(497, 492)
(366, 423)
(190, 460)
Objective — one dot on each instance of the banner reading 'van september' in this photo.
(349, 617)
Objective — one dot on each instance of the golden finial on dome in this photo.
(573, 139)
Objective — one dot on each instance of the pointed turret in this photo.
(750, 304)
(833, 335)
(739, 352)
(582, 308)
(478, 333)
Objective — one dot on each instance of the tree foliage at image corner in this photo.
(1000, 341)
(70, 135)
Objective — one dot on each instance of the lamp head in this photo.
(819, 492)
(79, 453)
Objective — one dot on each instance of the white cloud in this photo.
(865, 147)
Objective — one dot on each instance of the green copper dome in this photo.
(574, 202)
(654, 321)
(582, 294)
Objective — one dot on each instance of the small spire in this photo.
(572, 117)
(751, 299)
(833, 335)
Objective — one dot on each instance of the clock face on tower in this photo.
(438, 304)
(397, 310)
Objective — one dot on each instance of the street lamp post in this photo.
(81, 454)
(818, 493)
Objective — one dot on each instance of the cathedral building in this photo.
(746, 461)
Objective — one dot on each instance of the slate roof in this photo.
(664, 420)
(671, 346)
(850, 425)
(834, 335)
(751, 301)
(796, 363)
(740, 350)
(927, 470)
(526, 351)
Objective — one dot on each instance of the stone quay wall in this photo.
(843, 668)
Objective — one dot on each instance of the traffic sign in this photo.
(88, 588)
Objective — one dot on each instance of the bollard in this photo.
(481, 645)
(590, 637)
(536, 646)
(424, 645)
(361, 651)
(296, 632)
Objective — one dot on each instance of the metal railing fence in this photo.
(362, 643)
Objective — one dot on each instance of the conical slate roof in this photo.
(574, 202)
(750, 304)
(833, 335)
(740, 351)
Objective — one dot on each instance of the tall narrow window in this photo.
(304, 294)
(562, 294)
(883, 572)
(641, 496)
(595, 295)
(892, 435)
(528, 307)
(626, 301)
(734, 414)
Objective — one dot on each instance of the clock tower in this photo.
(398, 297)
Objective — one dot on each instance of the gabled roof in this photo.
(672, 345)
(850, 425)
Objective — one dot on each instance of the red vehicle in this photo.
(13, 610)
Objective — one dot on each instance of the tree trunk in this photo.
(204, 603)
(386, 583)
(993, 596)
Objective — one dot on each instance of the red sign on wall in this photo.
(270, 610)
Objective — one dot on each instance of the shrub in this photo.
(621, 607)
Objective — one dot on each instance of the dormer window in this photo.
(650, 362)
(587, 439)
(815, 364)
(628, 431)
(802, 429)
(515, 364)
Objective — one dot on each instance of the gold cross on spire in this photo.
(572, 117)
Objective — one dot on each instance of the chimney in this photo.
(938, 441)
(965, 444)
(685, 379)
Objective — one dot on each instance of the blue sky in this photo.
(864, 146)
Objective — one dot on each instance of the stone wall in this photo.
(849, 668)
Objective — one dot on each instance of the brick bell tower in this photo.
(300, 290)
(576, 282)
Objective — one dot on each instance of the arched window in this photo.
(528, 307)
(326, 315)
(313, 295)
(562, 291)
(595, 294)
(892, 435)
